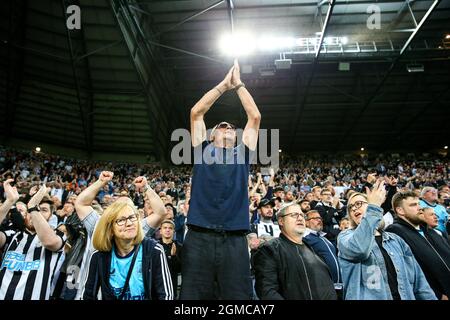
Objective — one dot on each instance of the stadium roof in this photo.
(129, 76)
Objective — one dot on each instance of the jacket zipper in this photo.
(448, 269)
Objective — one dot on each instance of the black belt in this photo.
(217, 231)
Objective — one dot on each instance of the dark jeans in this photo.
(215, 266)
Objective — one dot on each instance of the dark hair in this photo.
(50, 202)
(311, 212)
(398, 198)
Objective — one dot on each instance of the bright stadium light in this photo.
(270, 43)
(266, 43)
(344, 40)
(38, 149)
(362, 149)
(285, 43)
(238, 44)
(446, 147)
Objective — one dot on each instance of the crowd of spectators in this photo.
(322, 184)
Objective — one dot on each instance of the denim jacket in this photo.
(362, 264)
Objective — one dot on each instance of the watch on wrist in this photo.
(146, 188)
(240, 85)
(35, 208)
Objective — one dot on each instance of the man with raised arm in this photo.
(215, 259)
(32, 255)
(90, 217)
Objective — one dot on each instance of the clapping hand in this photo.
(37, 198)
(236, 76)
(377, 195)
(11, 193)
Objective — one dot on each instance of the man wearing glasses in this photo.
(287, 267)
(215, 259)
(315, 237)
(375, 264)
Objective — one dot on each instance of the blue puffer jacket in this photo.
(362, 264)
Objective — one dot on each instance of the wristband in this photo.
(240, 85)
(35, 208)
(146, 188)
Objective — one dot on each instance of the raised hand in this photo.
(106, 176)
(259, 176)
(226, 83)
(33, 190)
(10, 192)
(392, 181)
(335, 201)
(37, 198)
(140, 183)
(272, 173)
(371, 178)
(236, 76)
(173, 251)
(377, 195)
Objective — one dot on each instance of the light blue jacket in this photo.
(362, 264)
(440, 212)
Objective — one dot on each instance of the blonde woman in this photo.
(84, 206)
(126, 266)
(375, 264)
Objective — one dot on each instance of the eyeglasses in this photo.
(315, 218)
(294, 215)
(356, 205)
(122, 221)
(225, 125)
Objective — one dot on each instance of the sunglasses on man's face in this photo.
(225, 125)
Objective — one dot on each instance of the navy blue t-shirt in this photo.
(219, 193)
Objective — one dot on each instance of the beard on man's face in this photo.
(305, 210)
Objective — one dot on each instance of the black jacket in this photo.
(173, 262)
(157, 281)
(432, 253)
(286, 270)
(331, 218)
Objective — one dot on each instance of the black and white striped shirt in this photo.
(27, 268)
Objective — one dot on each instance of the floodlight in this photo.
(238, 44)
